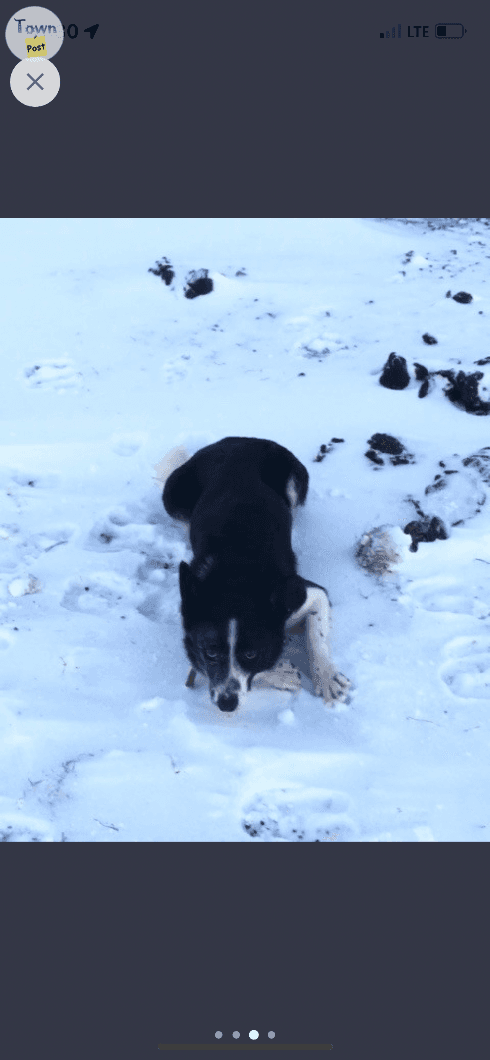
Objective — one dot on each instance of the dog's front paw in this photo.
(331, 685)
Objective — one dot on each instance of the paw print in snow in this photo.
(59, 374)
(467, 669)
(99, 592)
(297, 815)
(445, 593)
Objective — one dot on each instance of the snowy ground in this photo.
(105, 369)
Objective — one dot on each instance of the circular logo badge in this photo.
(36, 29)
(35, 84)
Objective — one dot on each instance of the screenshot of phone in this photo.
(244, 473)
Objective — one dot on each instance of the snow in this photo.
(105, 369)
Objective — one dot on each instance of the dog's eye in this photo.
(250, 654)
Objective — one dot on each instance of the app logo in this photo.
(33, 25)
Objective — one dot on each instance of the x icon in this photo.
(35, 81)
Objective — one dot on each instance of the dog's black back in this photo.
(227, 493)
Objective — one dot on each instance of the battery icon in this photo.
(450, 30)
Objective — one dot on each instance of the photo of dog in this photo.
(241, 593)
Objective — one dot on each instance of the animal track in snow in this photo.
(296, 815)
(46, 540)
(175, 369)
(127, 443)
(23, 834)
(99, 592)
(116, 532)
(51, 374)
(467, 669)
(444, 593)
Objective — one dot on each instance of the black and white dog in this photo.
(241, 592)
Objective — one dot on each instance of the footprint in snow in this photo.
(8, 834)
(116, 532)
(296, 815)
(445, 593)
(128, 444)
(467, 670)
(98, 592)
(59, 374)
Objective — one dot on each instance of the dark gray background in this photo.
(221, 108)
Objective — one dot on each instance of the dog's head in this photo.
(230, 633)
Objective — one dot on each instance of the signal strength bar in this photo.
(392, 34)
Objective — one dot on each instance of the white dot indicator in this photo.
(219, 1034)
(253, 1034)
(236, 1034)
(271, 1034)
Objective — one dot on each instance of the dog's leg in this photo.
(327, 681)
(194, 679)
(191, 677)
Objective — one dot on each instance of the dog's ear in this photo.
(288, 596)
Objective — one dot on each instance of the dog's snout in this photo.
(228, 701)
